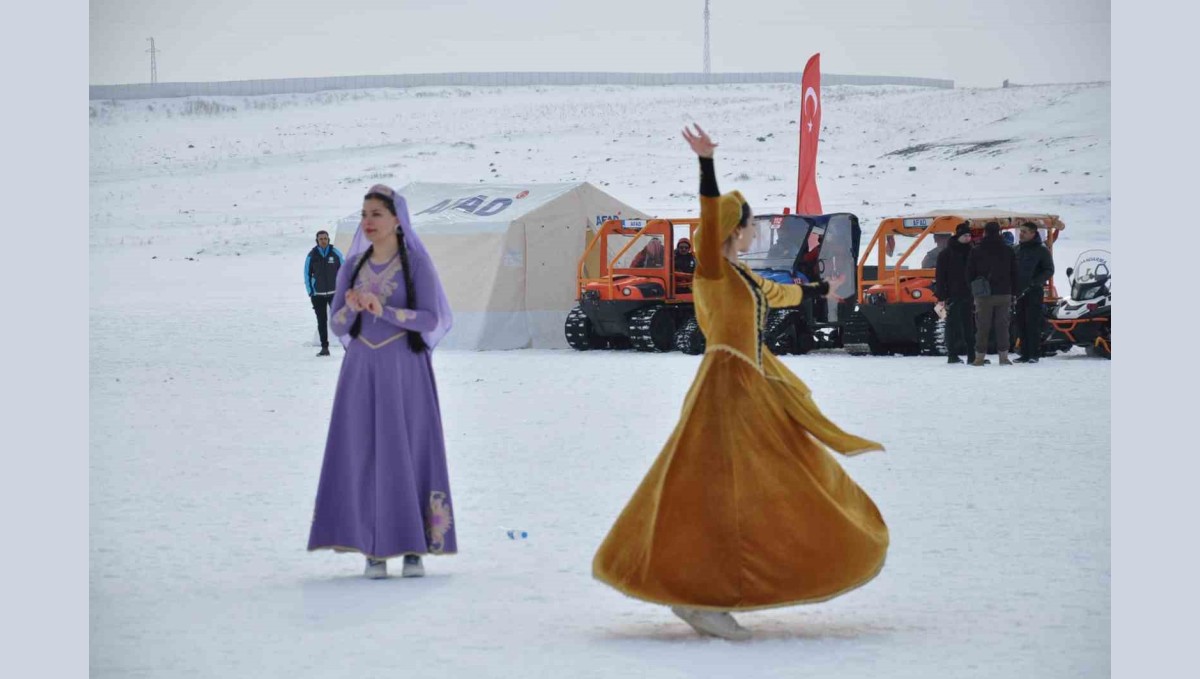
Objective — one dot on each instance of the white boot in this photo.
(712, 623)
(412, 567)
(376, 568)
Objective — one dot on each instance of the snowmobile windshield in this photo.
(835, 262)
(649, 252)
(1092, 277)
(778, 240)
(925, 253)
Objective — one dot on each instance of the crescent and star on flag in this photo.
(810, 94)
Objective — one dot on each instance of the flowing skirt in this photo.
(745, 507)
(384, 488)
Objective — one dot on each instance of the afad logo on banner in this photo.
(808, 199)
(600, 219)
(478, 205)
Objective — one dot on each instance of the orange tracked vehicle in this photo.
(637, 297)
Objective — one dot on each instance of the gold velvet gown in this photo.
(745, 507)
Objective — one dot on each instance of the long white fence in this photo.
(309, 85)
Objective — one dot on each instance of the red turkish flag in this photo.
(808, 200)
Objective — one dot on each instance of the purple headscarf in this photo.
(431, 296)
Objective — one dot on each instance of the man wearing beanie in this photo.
(953, 289)
(992, 273)
(1035, 266)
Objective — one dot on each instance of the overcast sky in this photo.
(973, 42)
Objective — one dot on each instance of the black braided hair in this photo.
(415, 341)
(356, 327)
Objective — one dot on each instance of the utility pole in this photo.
(153, 61)
(707, 62)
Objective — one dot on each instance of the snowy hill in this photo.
(254, 173)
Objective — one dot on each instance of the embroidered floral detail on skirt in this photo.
(438, 522)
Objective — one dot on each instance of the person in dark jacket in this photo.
(951, 286)
(1035, 267)
(685, 261)
(992, 266)
(320, 280)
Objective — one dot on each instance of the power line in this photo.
(707, 61)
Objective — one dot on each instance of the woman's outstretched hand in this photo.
(699, 141)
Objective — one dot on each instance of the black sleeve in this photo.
(708, 178)
(818, 289)
(1047, 268)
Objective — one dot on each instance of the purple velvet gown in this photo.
(384, 489)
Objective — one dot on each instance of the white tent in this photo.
(507, 254)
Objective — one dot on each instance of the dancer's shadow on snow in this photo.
(766, 630)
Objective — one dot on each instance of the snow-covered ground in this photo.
(208, 410)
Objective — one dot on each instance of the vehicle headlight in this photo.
(626, 291)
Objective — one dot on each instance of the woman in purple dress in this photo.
(385, 490)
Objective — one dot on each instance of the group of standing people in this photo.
(744, 508)
(991, 286)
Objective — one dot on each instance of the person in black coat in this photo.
(952, 288)
(1035, 267)
(992, 274)
(320, 281)
(685, 261)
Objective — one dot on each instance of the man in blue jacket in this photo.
(320, 279)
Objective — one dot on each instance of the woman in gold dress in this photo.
(745, 507)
